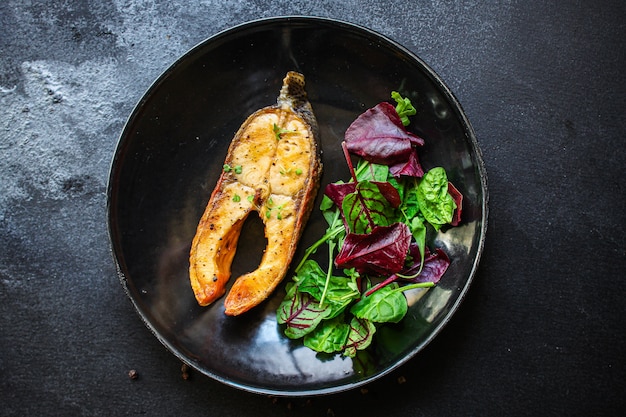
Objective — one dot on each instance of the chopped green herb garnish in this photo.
(227, 168)
(278, 131)
(285, 171)
(236, 198)
(271, 208)
(238, 169)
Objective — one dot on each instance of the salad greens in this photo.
(378, 222)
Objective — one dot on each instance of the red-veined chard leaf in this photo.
(336, 192)
(360, 336)
(301, 313)
(379, 136)
(384, 306)
(371, 204)
(381, 252)
(389, 191)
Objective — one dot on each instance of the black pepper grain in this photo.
(184, 369)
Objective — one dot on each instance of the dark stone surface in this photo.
(541, 331)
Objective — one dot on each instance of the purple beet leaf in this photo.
(337, 191)
(435, 265)
(409, 168)
(458, 199)
(379, 136)
(381, 252)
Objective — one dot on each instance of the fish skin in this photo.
(279, 179)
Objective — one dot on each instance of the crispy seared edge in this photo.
(209, 268)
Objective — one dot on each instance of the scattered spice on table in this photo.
(184, 369)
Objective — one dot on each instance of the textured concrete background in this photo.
(541, 332)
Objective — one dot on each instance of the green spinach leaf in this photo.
(329, 337)
(369, 171)
(418, 230)
(366, 208)
(340, 291)
(410, 206)
(434, 201)
(385, 305)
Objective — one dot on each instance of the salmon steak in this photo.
(273, 168)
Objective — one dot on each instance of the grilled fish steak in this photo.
(272, 167)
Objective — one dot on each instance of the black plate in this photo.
(170, 155)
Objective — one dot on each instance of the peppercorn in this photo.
(184, 369)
